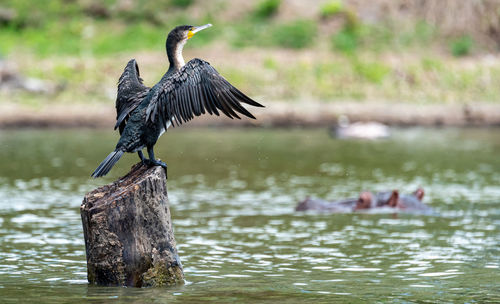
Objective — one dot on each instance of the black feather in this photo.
(196, 89)
(196, 101)
(244, 98)
(107, 164)
(227, 104)
(210, 101)
(236, 105)
(131, 92)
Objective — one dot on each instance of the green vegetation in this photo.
(297, 34)
(355, 37)
(267, 8)
(331, 8)
(131, 26)
(374, 72)
(76, 38)
(82, 45)
(461, 46)
(182, 3)
(346, 40)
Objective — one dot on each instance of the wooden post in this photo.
(128, 232)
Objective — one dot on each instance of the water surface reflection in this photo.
(232, 194)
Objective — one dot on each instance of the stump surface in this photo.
(128, 233)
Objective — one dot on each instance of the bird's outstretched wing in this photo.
(131, 91)
(196, 89)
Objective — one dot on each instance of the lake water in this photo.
(232, 195)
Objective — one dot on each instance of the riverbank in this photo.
(276, 114)
(299, 88)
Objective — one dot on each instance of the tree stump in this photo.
(128, 232)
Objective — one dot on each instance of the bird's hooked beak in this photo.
(196, 29)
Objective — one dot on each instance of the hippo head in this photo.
(419, 193)
(365, 201)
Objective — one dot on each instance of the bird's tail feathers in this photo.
(107, 163)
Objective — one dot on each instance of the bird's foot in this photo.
(155, 162)
(160, 163)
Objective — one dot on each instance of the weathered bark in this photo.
(128, 232)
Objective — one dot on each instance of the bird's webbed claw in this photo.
(159, 163)
(155, 162)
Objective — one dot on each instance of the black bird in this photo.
(185, 91)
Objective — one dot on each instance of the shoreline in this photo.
(276, 114)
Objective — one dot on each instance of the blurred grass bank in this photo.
(430, 62)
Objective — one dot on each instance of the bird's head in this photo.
(176, 40)
(182, 33)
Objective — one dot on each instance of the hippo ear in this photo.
(419, 193)
(393, 200)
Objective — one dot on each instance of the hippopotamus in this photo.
(390, 201)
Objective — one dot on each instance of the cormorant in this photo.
(185, 91)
